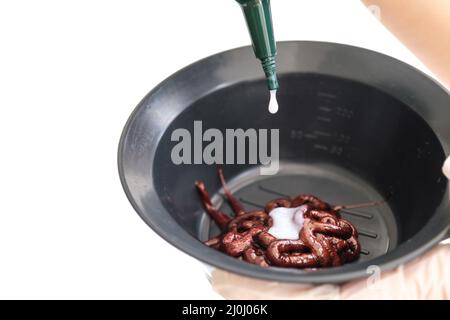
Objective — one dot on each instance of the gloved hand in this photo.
(427, 277)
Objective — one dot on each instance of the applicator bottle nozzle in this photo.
(259, 22)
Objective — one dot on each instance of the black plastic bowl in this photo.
(355, 125)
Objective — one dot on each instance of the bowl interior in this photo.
(341, 140)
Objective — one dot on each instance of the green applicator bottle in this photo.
(259, 22)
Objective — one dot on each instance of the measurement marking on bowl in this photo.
(343, 138)
(344, 112)
(325, 109)
(323, 119)
(320, 147)
(326, 95)
(336, 150)
(322, 133)
(310, 136)
(296, 134)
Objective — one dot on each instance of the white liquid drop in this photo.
(287, 222)
(273, 103)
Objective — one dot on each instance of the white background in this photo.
(71, 72)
